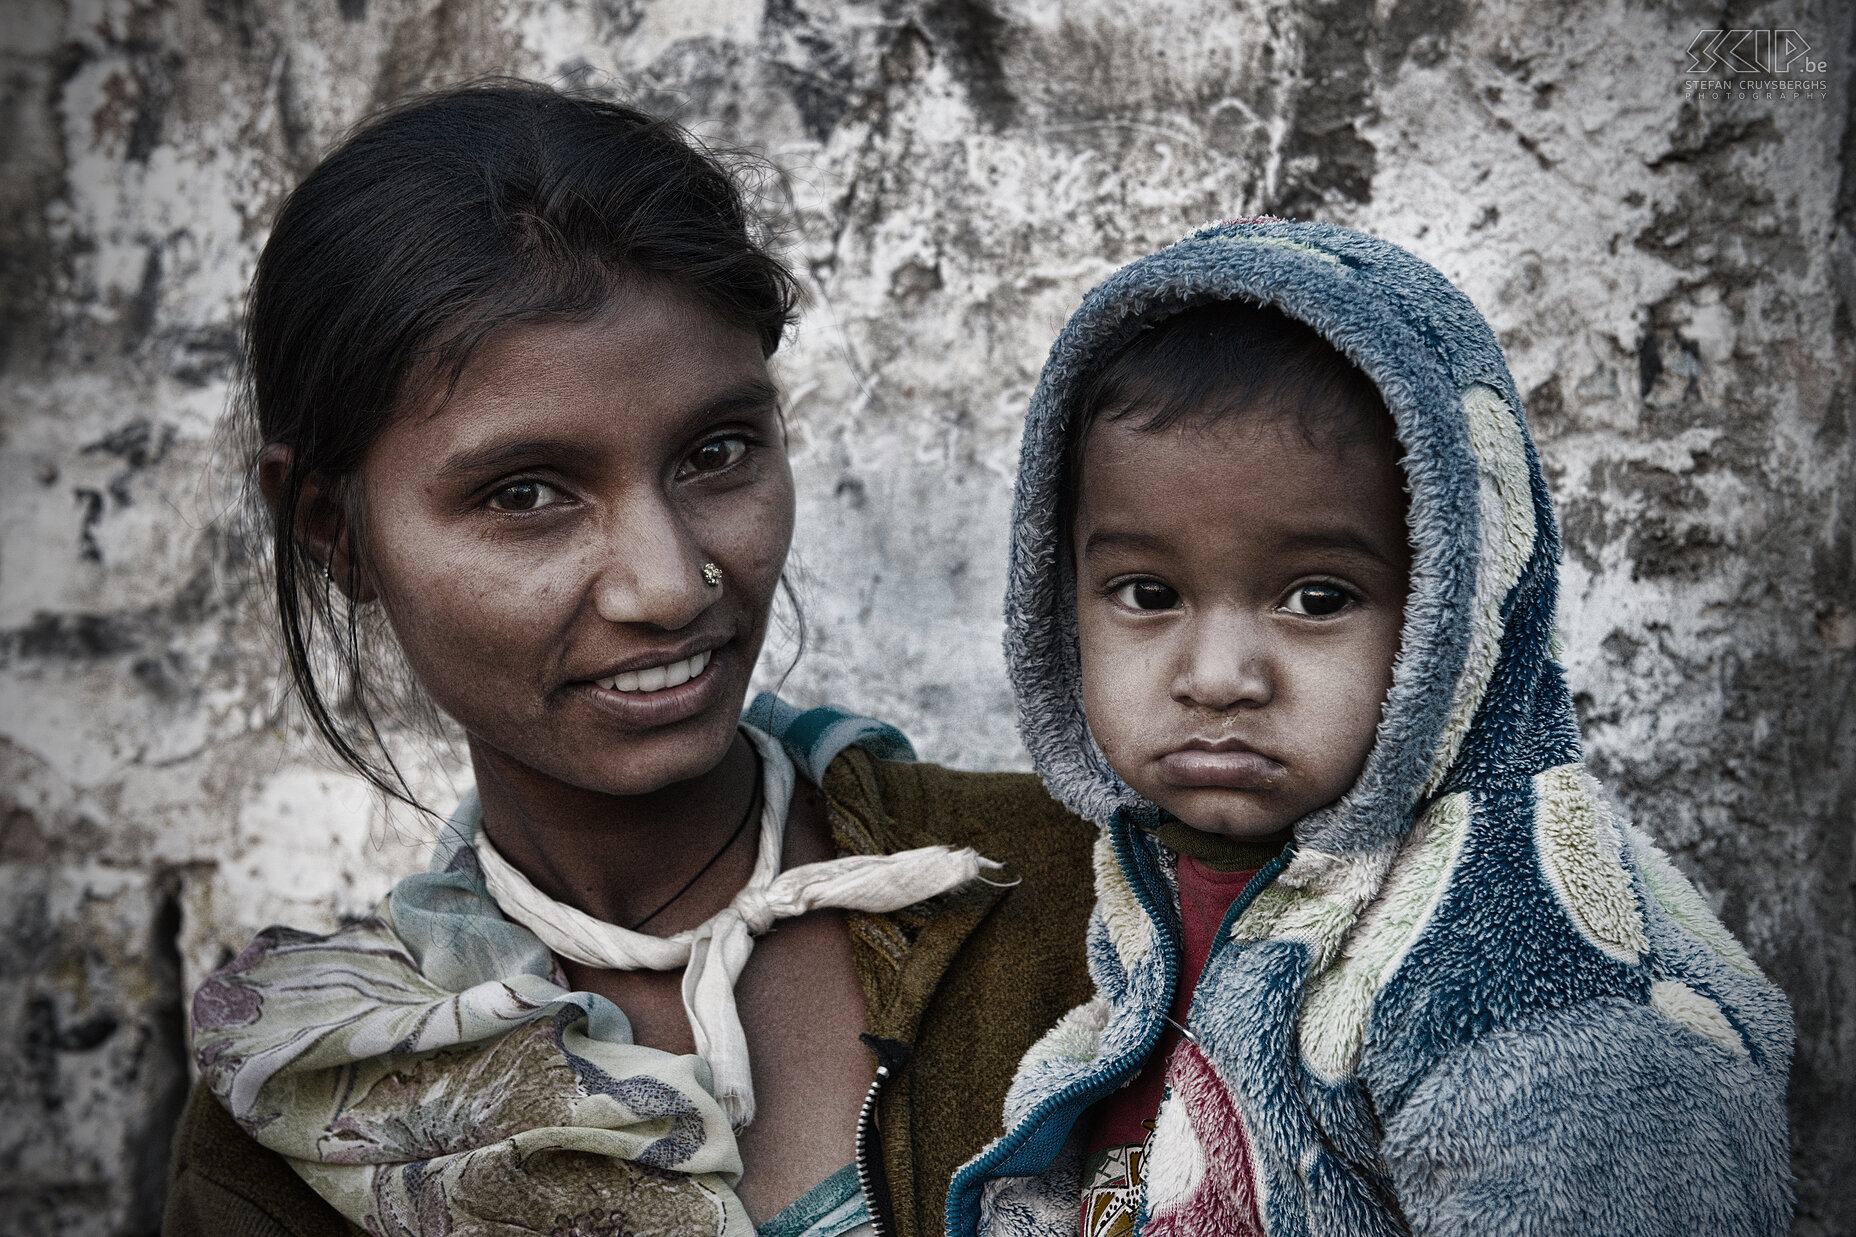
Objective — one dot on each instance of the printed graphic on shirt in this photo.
(1113, 1181)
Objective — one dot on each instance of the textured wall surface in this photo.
(1674, 278)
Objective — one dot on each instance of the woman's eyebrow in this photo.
(498, 456)
(753, 396)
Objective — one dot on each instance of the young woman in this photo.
(507, 363)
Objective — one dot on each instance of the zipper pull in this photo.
(891, 1054)
(1183, 1031)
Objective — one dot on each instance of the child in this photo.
(1374, 953)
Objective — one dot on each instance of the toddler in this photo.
(1374, 953)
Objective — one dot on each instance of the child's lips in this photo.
(1226, 768)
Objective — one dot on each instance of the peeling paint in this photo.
(1672, 278)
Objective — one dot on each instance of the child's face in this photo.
(1239, 599)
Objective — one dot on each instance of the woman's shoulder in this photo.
(223, 1181)
(1009, 817)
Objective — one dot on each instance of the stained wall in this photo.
(1672, 277)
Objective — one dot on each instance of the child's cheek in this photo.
(1123, 690)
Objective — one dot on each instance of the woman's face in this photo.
(538, 540)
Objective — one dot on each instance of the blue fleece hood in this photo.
(1470, 998)
(1474, 673)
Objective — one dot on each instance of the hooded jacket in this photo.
(1470, 998)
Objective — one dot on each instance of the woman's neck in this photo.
(619, 857)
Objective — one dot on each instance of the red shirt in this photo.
(1205, 894)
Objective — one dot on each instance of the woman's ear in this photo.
(322, 528)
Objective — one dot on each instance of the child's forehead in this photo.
(1323, 435)
(1265, 476)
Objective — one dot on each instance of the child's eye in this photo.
(1147, 595)
(1317, 600)
(713, 456)
(524, 496)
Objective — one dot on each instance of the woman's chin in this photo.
(608, 742)
(672, 735)
(644, 765)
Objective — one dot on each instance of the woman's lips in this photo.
(666, 705)
(657, 678)
(1230, 769)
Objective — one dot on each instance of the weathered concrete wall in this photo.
(1673, 277)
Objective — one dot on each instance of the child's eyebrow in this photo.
(1343, 539)
(1122, 538)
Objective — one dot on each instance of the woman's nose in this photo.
(649, 569)
(1227, 665)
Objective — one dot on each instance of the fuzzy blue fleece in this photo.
(1471, 999)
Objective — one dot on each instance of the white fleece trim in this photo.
(1076, 1037)
(1681, 1003)
(1316, 900)
(1506, 499)
(1339, 1001)
(1128, 925)
(1581, 856)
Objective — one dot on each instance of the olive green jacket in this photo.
(968, 981)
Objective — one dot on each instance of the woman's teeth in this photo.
(657, 678)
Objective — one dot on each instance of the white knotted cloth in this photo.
(713, 954)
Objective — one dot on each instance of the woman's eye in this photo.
(1317, 600)
(1147, 595)
(713, 456)
(524, 496)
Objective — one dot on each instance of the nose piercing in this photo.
(711, 575)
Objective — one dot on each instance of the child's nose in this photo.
(1228, 665)
(649, 569)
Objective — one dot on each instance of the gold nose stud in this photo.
(711, 575)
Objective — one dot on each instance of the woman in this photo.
(507, 361)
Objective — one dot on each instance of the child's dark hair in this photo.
(1225, 359)
(430, 227)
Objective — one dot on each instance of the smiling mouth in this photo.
(658, 678)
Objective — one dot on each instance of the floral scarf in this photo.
(427, 1072)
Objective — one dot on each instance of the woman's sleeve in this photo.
(224, 1184)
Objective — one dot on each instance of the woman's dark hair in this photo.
(1228, 359)
(431, 226)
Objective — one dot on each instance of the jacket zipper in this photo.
(1104, 1082)
(872, 1179)
(1119, 1072)
(1262, 880)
